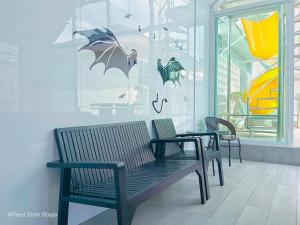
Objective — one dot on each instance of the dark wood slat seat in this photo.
(138, 180)
(114, 166)
(165, 128)
(191, 155)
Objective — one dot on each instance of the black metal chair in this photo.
(165, 128)
(212, 124)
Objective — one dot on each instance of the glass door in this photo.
(249, 73)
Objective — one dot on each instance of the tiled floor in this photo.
(254, 194)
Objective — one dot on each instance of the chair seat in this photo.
(191, 154)
(138, 179)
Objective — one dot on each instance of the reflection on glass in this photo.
(9, 79)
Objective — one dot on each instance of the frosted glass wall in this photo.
(46, 82)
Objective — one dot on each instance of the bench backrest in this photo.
(126, 142)
(165, 128)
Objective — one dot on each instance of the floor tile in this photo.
(255, 193)
(253, 215)
(284, 207)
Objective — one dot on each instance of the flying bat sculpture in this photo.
(173, 71)
(107, 50)
(127, 16)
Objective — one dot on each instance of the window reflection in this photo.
(156, 29)
(9, 79)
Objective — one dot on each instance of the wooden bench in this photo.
(165, 128)
(114, 166)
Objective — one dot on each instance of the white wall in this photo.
(46, 83)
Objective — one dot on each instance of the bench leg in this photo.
(63, 211)
(240, 151)
(64, 190)
(205, 178)
(125, 215)
(122, 217)
(203, 193)
(131, 214)
(229, 153)
(220, 170)
(213, 167)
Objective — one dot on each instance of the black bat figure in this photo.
(122, 96)
(127, 16)
(173, 71)
(107, 50)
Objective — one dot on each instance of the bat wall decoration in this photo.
(161, 105)
(107, 50)
(173, 71)
(127, 16)
(122, 96)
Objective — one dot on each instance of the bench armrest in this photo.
(86, 165)
(196, 134)
(208, 134)
(117, 167)
(172, 140)
(196, 140)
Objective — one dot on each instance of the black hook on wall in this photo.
(161, 106)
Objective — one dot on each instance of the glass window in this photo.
(249, 77)
(226, 4)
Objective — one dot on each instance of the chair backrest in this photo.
(164, 128)
(212, 124)
(126, 142)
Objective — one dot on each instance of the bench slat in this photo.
(138, 180)
(125, 142)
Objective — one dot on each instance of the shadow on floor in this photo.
(108, 217)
